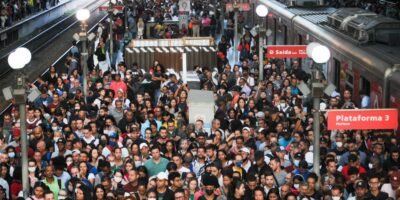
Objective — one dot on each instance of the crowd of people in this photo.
(12, 11)
(130, 137)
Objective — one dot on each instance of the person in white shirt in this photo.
(390, 188)
(177, 159)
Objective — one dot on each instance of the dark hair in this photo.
(235, 185)
(87, 195)
(152, 190)
(173, 175)
(95, 189)
(313, 176)
(274, 191)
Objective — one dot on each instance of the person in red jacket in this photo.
(353, 162)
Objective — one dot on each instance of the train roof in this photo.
(376, 57)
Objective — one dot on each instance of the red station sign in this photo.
(117, 7)
(287, 51)
(363, 119)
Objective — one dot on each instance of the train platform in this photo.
(47, 49)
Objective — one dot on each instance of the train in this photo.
(365, 47)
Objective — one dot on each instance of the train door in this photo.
(365, 90)
(281, 34)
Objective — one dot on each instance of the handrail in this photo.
(55, 63)
(31, 17)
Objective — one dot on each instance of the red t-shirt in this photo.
(15, 188)
(345, 171)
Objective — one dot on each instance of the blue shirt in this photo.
(284, 143)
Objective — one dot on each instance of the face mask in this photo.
(296, 163)
(296, 186)
(194, 153)
(56, 138)
(335, 198)
(209, 192)
(54, 128)
(117, 179)
(31, 169)
(11, 154)
(77, 108)
(370, 165)
(68, 163)
(238, 164)
(138, 163)
(112, 164)
(339, 144)
(151, 199)
(283, 104)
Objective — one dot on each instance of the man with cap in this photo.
(361, 191)
(393, 187)
(163, 192)
(260, 166)
(210, 184)
(245, 152)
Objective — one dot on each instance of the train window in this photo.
(336, 75)
(285, 39)
(349, 78)
(349, 81)
(280, 40)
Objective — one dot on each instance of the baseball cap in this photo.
(258, 155)
(162, 176)
(298, 155)
(143, 145)
(260, 115)
(246, 128)
(76, 152)
(280, 149)
(61, 140)
(395, 176)
(245, 149)
(361, 184)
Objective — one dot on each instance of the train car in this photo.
(365, 47)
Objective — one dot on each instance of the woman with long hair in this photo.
(119, 162)
(83, 193)
(237, 191)
(259, 193)
(86, 177)
(37, 191)
(241, 107)
(192, 188)
(99, 193)
(223, 158)
(169, 149)
(173, 107)
(93, 157)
